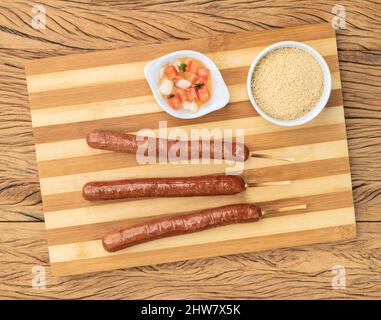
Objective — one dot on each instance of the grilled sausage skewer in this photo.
(129, 143)
(169, 187)
(186, 223)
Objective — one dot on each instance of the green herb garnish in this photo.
(182, 67)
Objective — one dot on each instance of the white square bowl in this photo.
(219, 96)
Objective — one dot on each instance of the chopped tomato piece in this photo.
(202, 93)
(192, 66)
(170, 72)
(182, 94)
(174, 101)
(192, 94)
(203, 72)
(197, 80)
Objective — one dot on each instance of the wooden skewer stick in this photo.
(267, 184)
(269, 156)
(296, 207)
(285, 209)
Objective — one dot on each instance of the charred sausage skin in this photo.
(113, 141)
(163, 187)
(181, 224)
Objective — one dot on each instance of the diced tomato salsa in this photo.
(185, 84)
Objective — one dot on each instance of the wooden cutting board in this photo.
(71, 95)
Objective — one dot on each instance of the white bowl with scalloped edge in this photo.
(219, 96)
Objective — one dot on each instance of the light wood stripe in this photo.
(264, 227)
(250, 125)
(70, 183)
(96, 228)
(209, 44)
(94, 111)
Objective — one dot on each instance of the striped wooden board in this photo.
(71, 95)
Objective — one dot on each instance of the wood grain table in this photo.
(82, 26)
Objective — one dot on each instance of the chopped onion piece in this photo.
(166, 87)
(190, 106)
(183, 84)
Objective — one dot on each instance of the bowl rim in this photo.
(216, 102)
(315, 111)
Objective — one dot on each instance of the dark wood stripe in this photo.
(95, 231)
(79, 130)
(209, 44)
(297, 171)
(88, 94)
(291, 138)
(115, 160)
(305, 170)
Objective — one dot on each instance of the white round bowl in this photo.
(326, 89)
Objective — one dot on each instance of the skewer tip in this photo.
(267, 184)
(269, 156)
(284, 209)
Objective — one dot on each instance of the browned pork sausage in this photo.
(124, 142)
(164, 187)
(186, 223)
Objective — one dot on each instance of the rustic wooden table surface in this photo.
(82, 26)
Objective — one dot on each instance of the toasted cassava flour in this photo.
(287, 83)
